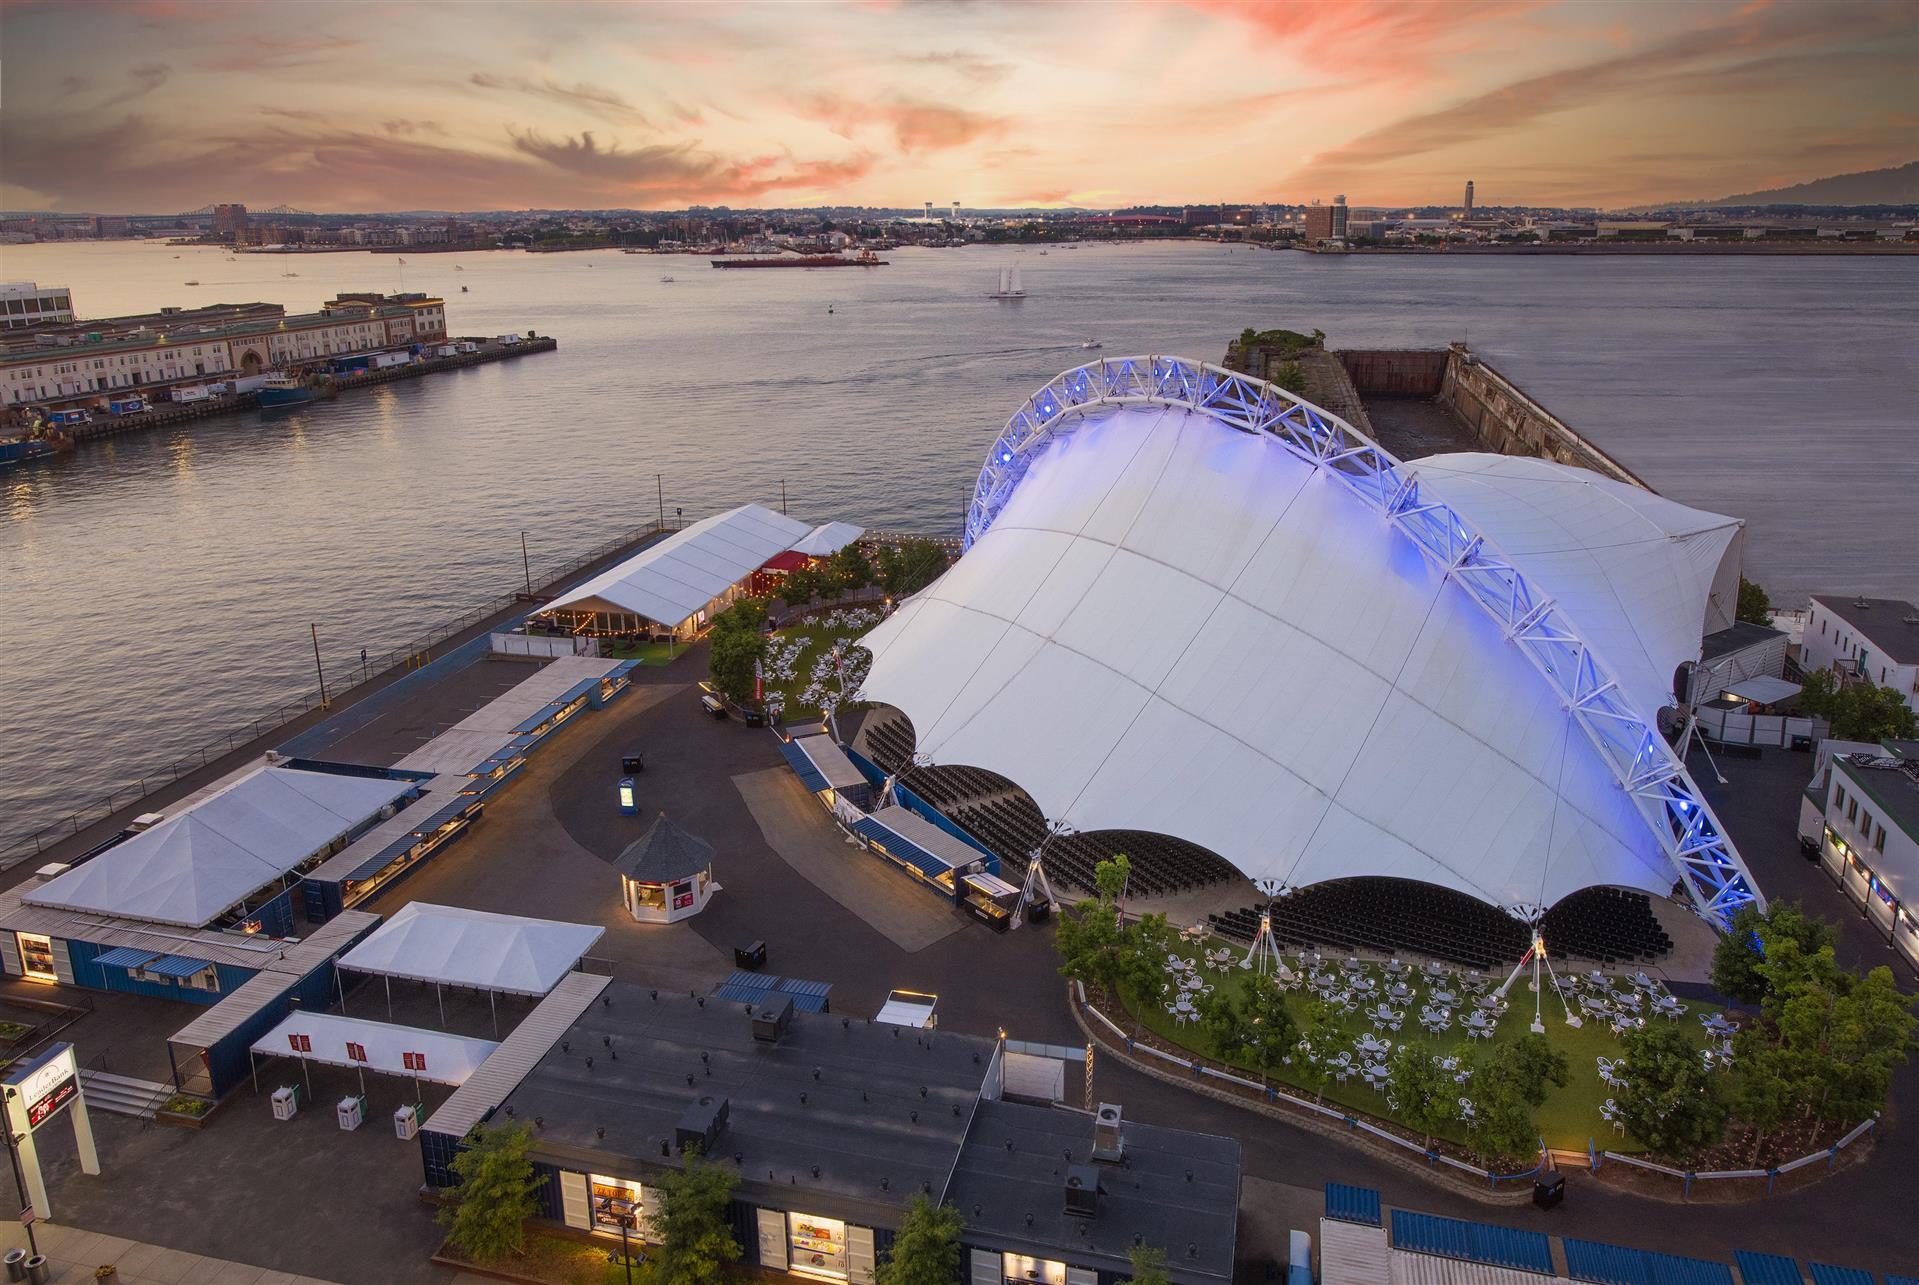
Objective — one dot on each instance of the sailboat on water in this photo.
(1009, 286)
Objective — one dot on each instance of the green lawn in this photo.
(815, 638)
(1569, 1116)
(647, 653)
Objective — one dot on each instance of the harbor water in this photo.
(157, 588)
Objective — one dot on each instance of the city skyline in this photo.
(577, 106)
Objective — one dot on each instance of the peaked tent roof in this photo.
(828, 538)
(1636, 570)
(664, 853)
(197, 863)
(506, 953)
(1176, 627)
(668, 582)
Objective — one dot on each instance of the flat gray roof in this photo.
(843, 1116)
(519, 1053)
(1176, 1189)
(1890, 624)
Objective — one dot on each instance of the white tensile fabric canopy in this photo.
(1638, 570)
(504, 953)
(670, 581)
(192, 866)
(438, 1058)
(1176, 627)
(828, 538)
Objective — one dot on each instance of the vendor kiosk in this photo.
(666, 875)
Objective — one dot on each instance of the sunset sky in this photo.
(165, 105)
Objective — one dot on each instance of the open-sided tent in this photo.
(507, 954)
(411, 1051)
(828, 538)
(193, 866)
(672, 582)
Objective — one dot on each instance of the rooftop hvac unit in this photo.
(1082, 1191)
(52, 869)
(700, 1125)
(146, 821)
(1108, 1144)
(771, 1019)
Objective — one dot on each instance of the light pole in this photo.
(318, 668)
(526, 565)
(19, 1182)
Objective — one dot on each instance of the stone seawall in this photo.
(1506, 420)
(1406, 373)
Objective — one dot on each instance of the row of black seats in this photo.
(1608, 925)
(889, 740)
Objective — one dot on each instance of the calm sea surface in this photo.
(158, 588)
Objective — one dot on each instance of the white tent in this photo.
(198, 863)
(669, 582)
(332, 1040)
(1638, 570)
(504, 953)
(828, 538)
(1177, 627)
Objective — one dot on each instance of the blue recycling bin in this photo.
(629, 800)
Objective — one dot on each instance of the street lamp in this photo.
(625, 1210)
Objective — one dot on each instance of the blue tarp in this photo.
(177, 966)
(1621, 1265)
(1767, 1269)
(1823, 1274)
(902, 849)
(124, 957)
(743, 987)
(1526, 1251)
(810, 776)
(1352, 1204)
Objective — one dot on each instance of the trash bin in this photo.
(15, 1260)
(1549, 1190)
(38, 1271)
(751, 955)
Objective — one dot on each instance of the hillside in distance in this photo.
(1898, 185)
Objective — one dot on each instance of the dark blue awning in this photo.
(177, 966)
(124, 957)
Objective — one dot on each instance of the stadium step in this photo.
(123, 1094)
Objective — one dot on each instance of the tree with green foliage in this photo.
(802, 585)
(1222, 1019)
(926, 1248)
(1765, 1086)
(1319, 1037)
(1530, 1065)
(1144, 946)
(1739, 959)
(1671, 1102)
(498, 1192)
(1502, 1119)
(1149, 1266)
(849, 569)
(695, 1240)
(1428, 1097)
(1843, 1036)
(910, 565)
(1858, 711)
(1755, 607)
(736, 646)
(1271, 1033)
(1291, 376)
(1089, 938)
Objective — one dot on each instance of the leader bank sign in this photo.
(46, 1088)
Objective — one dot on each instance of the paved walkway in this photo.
(73, 1254)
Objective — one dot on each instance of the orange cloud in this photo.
(916, 126)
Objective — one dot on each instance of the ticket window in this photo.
(616, 1202)
(1019, 1269)
(649, 896)
(36, 957)
(817, 1245)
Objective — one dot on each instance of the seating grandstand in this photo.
(1605, 925)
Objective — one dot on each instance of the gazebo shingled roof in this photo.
(663, 854)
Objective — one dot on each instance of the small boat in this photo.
(829, 309)
(462, 289)
(667, 279)
(1009, 286)
(193, 283)
(1091, 343)
(289, 274)
(1042, 253)
(281, 389)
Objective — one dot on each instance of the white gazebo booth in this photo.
(666, 874)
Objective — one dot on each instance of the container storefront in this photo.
(814, 1246)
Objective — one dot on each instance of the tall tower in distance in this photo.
(956, 217)
(1339, 218)
(929, 211)
(1469, 198)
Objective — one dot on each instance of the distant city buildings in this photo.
(25, 303)
(1467, 210)
(83, 366)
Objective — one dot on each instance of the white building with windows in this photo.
(26, 303)
(1869, 835)
(1870, 639)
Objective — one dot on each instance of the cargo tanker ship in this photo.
(866, 259)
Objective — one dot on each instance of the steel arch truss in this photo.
(1642, 763)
